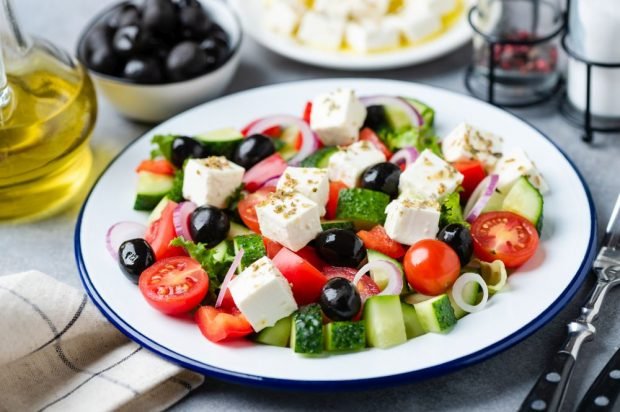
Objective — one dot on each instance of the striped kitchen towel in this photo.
(57, 353)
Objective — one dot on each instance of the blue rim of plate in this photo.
(366, 383)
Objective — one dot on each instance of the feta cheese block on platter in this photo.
(466, 142)
(311, 182)
(340, 9)
(211, 181)
(348, 164)
(514, 164)
(414, 26)
(370, 35)
(435, 6)
(289, 218)
(368, 9)
(429, 177)
(337, 117)
(262, 294)
(283, 16)
(321, 31)
(410, 219)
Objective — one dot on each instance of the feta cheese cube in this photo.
(283, 16)
(337, 117)
(334, 8)
(515, 164)
(429, 177)
(348, 164)
(366, 9)
(211, 181)
(414, 26)
(466, 142)
(410, 220)
(309, 181)
(289, 218)
(369, 35)
(436, 6)
(262, 294)
(321, 31)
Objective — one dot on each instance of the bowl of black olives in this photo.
(155, 58)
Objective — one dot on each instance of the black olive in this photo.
(252, 150)
(128, 40)
(143, 70)
(195, 22)
(159, 16)
(127, 15)
(184, 147)
(219, 35)
(212, 48)
(103, 60)
(382, 177)
(209, 225)
(186, 60)
(375, 118)
(99, 36)
(458, 237)
(340, 300)
(340, 247)
(134, 256)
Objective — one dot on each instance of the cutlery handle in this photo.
(604, 392)
(548, 392)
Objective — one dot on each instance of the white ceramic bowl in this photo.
(156, 102)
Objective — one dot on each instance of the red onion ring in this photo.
(309, 139)
(120, 232)
(180, 219)
(480, 197)
(406, 156)
(395, 277)
(414, 116)
(231, 271)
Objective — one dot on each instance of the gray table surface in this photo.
(497, 384)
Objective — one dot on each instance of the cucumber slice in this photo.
(428, 114)
(156, 213)
(238, 230)
(397, 119)
(383, 319)
(320, 158)
(151, 189)
(307, 330)
(413, 327)
(525, 200)
(345, 336)
(379, 276)
(436, 314)
(276, 335)
(289, 138)
(470, 296)
(220, 142)
(253, 248)
(416, 298)
(366, 208)
(337, 224)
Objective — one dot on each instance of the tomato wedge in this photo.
(273, 165)
(377, 239)
(160, 233)
(332, 202)
(431, 266)
(221, 324)
(247, 210)
(174, 285)
(307, 112)
(473, 173)
(159, 167)
(310, 254)
(368, 135)
(505, 236)
(306, 281)
(274, 131)
(366, 286)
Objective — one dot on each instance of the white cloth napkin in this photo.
(58, 353)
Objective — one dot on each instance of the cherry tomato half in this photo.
(247, 207)
(431, 266)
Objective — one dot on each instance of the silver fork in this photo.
(548, 392)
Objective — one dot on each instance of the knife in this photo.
(549, 391)
(604, 392)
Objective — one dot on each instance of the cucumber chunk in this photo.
(383, 319)
(253, 249)
(525, 200)
(276, 335)
(436, 314)
(156, 213)
(307, 330)
(416, 298)
(220, 142)
(337, 224)
(470, 296)
(397, 119)
(366, 208)
(320, 158)
(345, 336)
(428, 114)
(238, 230)
(379, 276)
(413, 327)
(151, 189)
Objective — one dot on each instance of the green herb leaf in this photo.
(451, 211)
(215, 261)
(164, 145)
(176, 193)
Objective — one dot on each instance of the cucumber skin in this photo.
(147, 202)
(320, 158)
(253, 248)
(151, 190)
(438, 317)
(383, 320)
(307, 330)
(413, 327)
(219, 146)
(345, 336)
(237, 229)
(276, 335)
(366, 208)
(337, 224)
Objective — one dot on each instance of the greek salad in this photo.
(352, 226)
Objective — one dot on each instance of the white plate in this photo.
(251, 11)
(534, 294)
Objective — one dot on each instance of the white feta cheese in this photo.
(283, 16)
(337, 117)
(515, 164)
(367, 9)
(321, 31)
(371, 35)
(309, 181)
(348, 164)
(211, 181)
(410, 220)
(262, 294)
(414, 26)
(466, 142)
(289, 218)
(334, 8)
(429, 177)
(436, 6)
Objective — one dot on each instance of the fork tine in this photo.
(612, 233)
